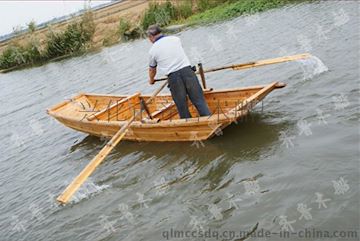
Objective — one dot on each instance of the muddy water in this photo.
(291, 165)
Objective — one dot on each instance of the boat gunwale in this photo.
(223, 118)
(64, 102)
(206, 93)
(204, 120)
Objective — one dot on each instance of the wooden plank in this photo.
(202, 75)
(157, 113)
(272, 61)
(250, 102)
(86, 172)
(258, 63)
(63, 103)
(93, 116)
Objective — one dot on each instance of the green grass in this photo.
(124, 26)
(161, 14)
(233, 9)
(75, 39)
(206, 11)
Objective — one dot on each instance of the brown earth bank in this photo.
(106, 22)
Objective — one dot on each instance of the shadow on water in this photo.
(247, 140)
(252, 139)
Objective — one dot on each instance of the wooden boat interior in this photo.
(95, 107)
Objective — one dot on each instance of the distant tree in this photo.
(32, 26)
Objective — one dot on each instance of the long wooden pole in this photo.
(90, 168)
(202, 75)
(257, 63)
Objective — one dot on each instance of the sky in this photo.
(19, 13)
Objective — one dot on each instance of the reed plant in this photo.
(75, 39)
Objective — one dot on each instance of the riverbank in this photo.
(233, 9)
(87, 34)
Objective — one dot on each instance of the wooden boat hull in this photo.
(103, 115)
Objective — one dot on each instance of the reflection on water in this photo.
(246, 133)
(255, 138)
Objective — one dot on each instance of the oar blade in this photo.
(272, 61)
(89, 169)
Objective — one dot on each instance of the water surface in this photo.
(301, 146)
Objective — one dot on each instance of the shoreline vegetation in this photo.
(78, 36)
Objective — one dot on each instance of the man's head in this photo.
(153, 32)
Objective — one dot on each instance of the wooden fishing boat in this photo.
(121, 117)
(104, 115)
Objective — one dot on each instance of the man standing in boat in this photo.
(168, 55)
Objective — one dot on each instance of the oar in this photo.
(257, 63)
(90, 168)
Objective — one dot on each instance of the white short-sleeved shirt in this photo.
(167, 54)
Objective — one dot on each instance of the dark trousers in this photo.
(184, 83)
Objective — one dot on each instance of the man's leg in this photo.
(195, 91)
(178, 93)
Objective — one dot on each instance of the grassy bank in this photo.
(232, 9)
(77, 37)
(74, 40)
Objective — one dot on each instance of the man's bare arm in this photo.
(152, 73)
